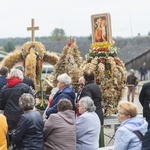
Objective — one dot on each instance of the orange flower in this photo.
(116, 60)
(102, 60)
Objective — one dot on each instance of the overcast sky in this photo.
(128, 17)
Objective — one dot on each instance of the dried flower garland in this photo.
(110, 73)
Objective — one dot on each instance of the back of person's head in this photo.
(16, 73)
(64, 104)
(26, 102)
(88, 76)
(21, 68)
(88, 104)
(64, 78)
(129, 108)
(4, 71)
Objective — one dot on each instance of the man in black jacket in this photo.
(92, 90)
(144, 99)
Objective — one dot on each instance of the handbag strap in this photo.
(139, 134)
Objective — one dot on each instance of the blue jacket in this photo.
(3, 81)
(29, 132)
(125, 138)
(87, 131)
(68, 93)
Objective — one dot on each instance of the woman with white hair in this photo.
(87, 126)
(10, 95)
(65, 92)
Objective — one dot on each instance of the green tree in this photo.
(9, 46)
(58, 35)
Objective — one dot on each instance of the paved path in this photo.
(136, 97)
(136, 100)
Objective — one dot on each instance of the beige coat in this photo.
(60, 131)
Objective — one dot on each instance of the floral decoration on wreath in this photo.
(96, 72)
(110, 73)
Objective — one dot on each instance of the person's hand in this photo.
(103, 110)
(48, 105)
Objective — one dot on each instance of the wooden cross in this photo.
(32, 29)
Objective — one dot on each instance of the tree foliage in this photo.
(9, 46)
(58, 35)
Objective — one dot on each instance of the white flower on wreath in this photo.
(113, 49)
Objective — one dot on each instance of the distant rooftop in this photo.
(2, 54)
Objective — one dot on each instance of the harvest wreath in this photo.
(110, 73)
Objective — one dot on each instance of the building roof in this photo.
(2, 54)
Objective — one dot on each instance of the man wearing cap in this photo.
(132, 82)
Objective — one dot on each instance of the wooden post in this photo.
(32, 29)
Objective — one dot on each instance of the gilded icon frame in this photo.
(99, 31)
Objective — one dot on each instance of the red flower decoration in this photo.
(102, 60)
(69, 44)
(106, 49)
(116, 60)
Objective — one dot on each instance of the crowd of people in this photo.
(24, 128)
(72, 120)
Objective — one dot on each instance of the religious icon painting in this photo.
(101, 28)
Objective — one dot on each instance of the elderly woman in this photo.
(87, 126)
(10, 95)
(65, 91)
(29, 131)
(59, 129)
(132, 128)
